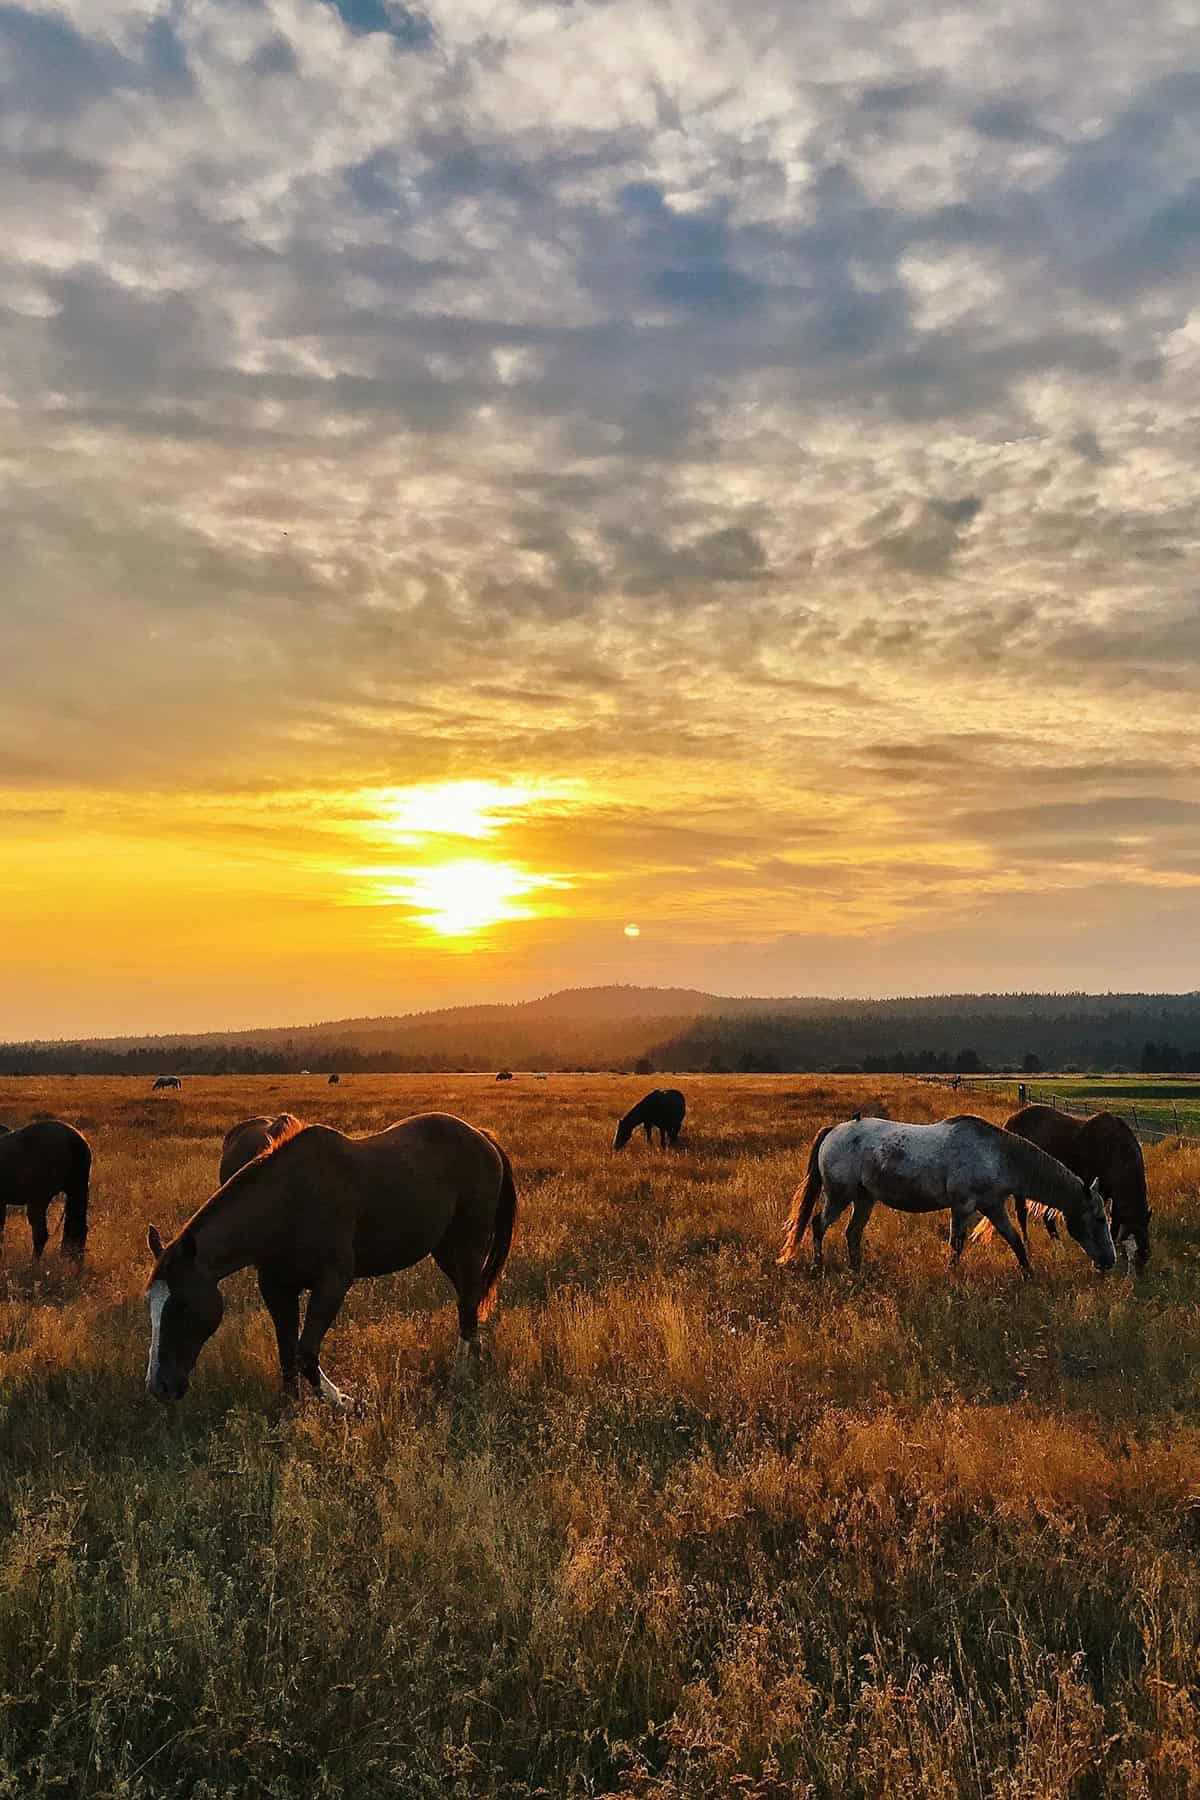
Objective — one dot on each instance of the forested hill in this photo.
(680, 1028)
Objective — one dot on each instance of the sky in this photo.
(476, 477)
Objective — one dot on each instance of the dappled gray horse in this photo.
(962, 1163)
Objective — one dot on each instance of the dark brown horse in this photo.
(1103, 1149)
(249, 1139)
(317, 1211)
(661, 1110)
(39, 1162)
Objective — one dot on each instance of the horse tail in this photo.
(75, 1202)
(503, 1227)
(804, 1202)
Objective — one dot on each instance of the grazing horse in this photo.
(334, 1080)
(660, 1110)
(249, 1139)
(1103, 1149)
(316, 1211)
(39, 1162)
(962, 1163)
(166, 1081)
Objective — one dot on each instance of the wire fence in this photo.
(1148, 1129)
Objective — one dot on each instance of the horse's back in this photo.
(1052, 1131)
(47, 1156)
(412, 1180)
(916, 1168)
(250, 1137)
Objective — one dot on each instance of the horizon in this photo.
(510, 499)
(850, 1000)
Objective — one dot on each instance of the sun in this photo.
(466, 809)
(457, 899)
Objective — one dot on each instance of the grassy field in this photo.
(703, 1527)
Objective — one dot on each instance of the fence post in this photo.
(1175, 1110)
(1137, 1128)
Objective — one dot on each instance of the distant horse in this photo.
(166, 1081)
(661, 1110)
(505, 1075)
(962, 1163)
(39, 1162)
(319, 1211)
(334, 1080)
(1103, 1149)
(249, 1139)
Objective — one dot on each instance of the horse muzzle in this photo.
(167, 1389)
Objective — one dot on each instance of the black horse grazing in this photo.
(38, 1163)
(166, 1081)
(661, 1110)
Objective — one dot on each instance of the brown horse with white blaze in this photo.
(317, 1211)
(39, 1162)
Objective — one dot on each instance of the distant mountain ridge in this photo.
(676, 1028)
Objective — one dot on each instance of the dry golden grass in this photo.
(703, 1528)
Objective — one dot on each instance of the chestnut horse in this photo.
(249, 1139)
(1103, 1149)
(962, 1163)
(39, 1162)
(316, 1211)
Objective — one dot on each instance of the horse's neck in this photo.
(240, 1230)
(1048, 1179)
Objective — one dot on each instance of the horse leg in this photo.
(864, 1206)
(462, 1265)
(1021, 1208)
(282, 1301)
(963, 1221)
(827, 1214)
(36, 1212)
(75, 1217)
(996, 1213)
(324, 1304)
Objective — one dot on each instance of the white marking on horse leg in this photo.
(1130, 1255)
(158, 1299)
(328, 1392)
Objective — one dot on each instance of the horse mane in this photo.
(231, 1190)
(1042, 1167)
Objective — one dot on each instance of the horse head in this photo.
(1088, 1225)
(625, 1129)
(185, 1309)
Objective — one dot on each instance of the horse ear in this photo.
(187, 1247)
(154, 1243)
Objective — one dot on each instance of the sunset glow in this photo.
(748, 487)
(471, 809)
(460, 898)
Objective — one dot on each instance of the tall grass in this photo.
(704, 1527)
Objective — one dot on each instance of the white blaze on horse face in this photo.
(159, 1292)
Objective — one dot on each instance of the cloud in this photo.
(785, 411)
